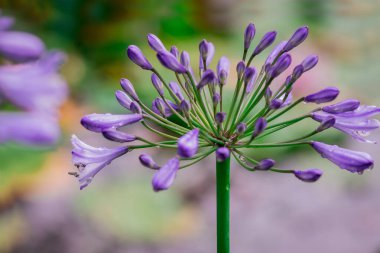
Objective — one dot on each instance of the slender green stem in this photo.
(223, 205)
(286, 110)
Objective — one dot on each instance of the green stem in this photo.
(223, 205)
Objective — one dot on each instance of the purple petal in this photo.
(137, 57)
(187, 145)
(101, 122)
(326, 95)
(164, 178)
(155, 43)
(309, 176)
(170, 62)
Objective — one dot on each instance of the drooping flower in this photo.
(309, 176)
(165, 176)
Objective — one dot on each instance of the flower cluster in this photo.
(204, 124)
(31, 89)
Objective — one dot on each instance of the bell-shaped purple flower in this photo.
(352, 161)
(165, 176)
(208, 77)
(265, 42)
(223, 69)
(297, 38)
(249, 34)
(20, 46)
(309, 176)
(187, 145)
(137, 57)
(275, 52)
(101, 122)
(157, 84)
(128, 88)
(155, 43)
(344, 106)
(265, 164)
(309, 62)
(90, 160)
(326, 95)
(169, 61)
(260, 126)
(115, 135)
(222, 154)
(123, 99)
(147, 161)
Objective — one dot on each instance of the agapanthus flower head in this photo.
(199, 121)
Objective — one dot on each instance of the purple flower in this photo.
(326, 95)
(297, 38)
(135, 107)
(176, 90)
(220, 117)
(326, 124)
(185, 106)
(241, 128)
(281, 64)
(113, 134)
(288, 99)
(265, 42)
(297, 72)
(100, 122)
(90, 160)
(165, 176)
(134, 53)
(309, 62)
(128, 88)
(29, 128)
(20, 46)
(187, 145)
(210, 54)
(155, 43)
(161, 108)
(276, 104)
(208, 77)
(215, 99)
(275, 52)
(249, 35)
(223, 69)
(240, 67)
(157, 84)
(147, 161)
(265, 164)
(174, 51)
(260, 126)
(222, 154)
(352, 161)
(123, 99)
(169, 61)
(185, 60)
(249, 74)
(344, 106)
(5, 22)
(309, 176)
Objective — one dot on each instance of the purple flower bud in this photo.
(260, 126)
(326, 95)
(276, 104)
(185, 106)
(241, 128)
(134, 53)
(282, 64)
(215, 99)
(344, 106)
(276, 50)
(155, 43)
(147, 161)
(240, 67)
(309, 176)
(223, 69)
(265, 164)
(159, 107)
(174, 51)
(20, 46)
(251, 85)
(352, 161)
(220, 117)
(210, 55)
(165, 176)
(176, 90)
(222, 154)
(118, 136)
(208, 77)
(249, 74)
(128, 88)
(297, 38)
(123, 99)
(203, 49)
(101, 122)
(309, 62)
(249, 35)
(185, 59)
(187, 144)
(6, 22)
(265, 42)
(268, 93)
(135, 107)
(157, 84)
(297, 72)
(326, 124)
(170, 62)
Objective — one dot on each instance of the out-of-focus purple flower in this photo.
(309, 62)
(309, 176)
(187, 144)
(20, 46)
(281, 64)
(123, 99)
(223, 69)
(265, 164)
(208, 77)
(249, 34)
(147, 161)
(251, 84)
(161, 108)
(249, 74)
(297, 72)
(216, 99)
(260, 126)
(326, 124)
(240, 67)
(134, 53)
(169, 61)
(276, 104)
(297, 38)
(135, 107)
(100, 122)
(30, 128)
(326, 95)
(185, 107)
(275, 52)
(210, 55)
(35, 86)
(5, 22)
(222, 154)
(265, 42)
(288, 100)
(128, 88)
(176, 90)
(352, 161)
(220, 117)
(90, 160)
(165, 176)
(174, 51)
(241, 128)
(113, 134)
(155, 43)
(157, 84)
(185, 60)
(344, 106)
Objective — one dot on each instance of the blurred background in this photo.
(42, 209)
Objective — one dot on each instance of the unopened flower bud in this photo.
(280, 66)
(157, 84)
(260, 126)
(169, 61)
(165, 176)
(187, 145)
(215, 99)
(275, 52)
(240, 67)
(135, 107)
(222, 154)
(309, 176)
(297, 72)
(208, 77)
(155, 43)
(176, 90)
(185, 59)
(326, 124)
(297, 38)
(275, 104)
(134, 53)
(223, 69)
(128, 88)
(174, 51)
(203, 49)
(185, 107)
(249, 35)
(123, 99)
(265, 164)
(220, 117)
(117, 136)
(147, 161)
(249, 74)
(265, 42)
(344, 106)
(309, 62)
(241, 128)
(326, 95)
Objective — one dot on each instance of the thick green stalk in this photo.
(223, 206)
